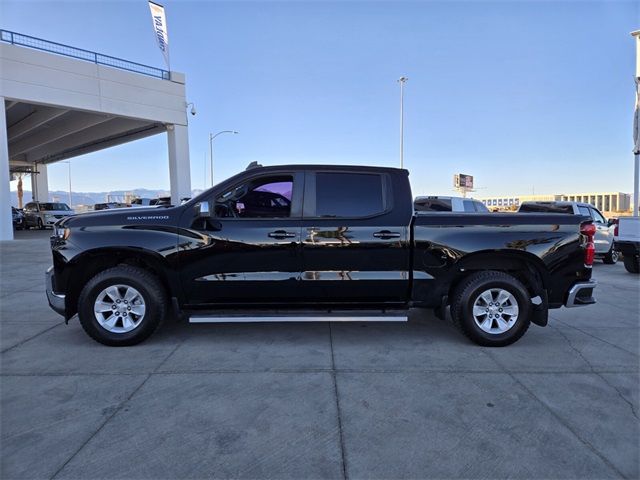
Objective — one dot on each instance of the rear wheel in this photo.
(492, 308)
(611, 257)
(122, 306)
(632, 263)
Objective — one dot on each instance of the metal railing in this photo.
(68, 51)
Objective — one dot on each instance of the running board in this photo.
(300, 316)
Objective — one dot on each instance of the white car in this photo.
(45, 214)
(603, 239)
(435, 204)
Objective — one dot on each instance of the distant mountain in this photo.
(91, 198)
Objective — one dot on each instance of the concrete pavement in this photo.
(300, 401)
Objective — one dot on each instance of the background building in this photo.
(606, 202)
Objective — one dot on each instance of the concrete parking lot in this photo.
(326, 400)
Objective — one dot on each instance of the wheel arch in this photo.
(91, 262)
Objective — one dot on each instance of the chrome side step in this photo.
(306, 316)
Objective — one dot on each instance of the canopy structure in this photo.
(61, 102)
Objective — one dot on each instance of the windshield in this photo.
(54, 206)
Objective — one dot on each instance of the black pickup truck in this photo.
(309, 242)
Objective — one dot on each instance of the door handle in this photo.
(281, 234)
(384, 234)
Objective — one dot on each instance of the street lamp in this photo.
(211, 137)
(68, 162)
(402, 80)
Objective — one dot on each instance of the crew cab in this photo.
(309, 242)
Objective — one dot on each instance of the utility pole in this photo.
(402, 80)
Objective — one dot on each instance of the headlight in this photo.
(61, 233)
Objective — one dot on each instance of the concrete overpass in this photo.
(62, 101)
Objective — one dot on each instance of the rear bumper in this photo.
(581, 294)
(628, 249)
(56, 300)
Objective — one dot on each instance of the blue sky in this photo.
(522, 95)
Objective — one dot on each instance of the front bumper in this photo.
(56, 300)
(581, 294)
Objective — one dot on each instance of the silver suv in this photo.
(45, 214)
(603, 239)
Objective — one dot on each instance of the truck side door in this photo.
(248, 250)
(355, 236)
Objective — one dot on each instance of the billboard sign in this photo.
(460, 180)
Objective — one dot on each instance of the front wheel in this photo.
(492, 308)
(632, 263)
(122, 306)
(611, 257)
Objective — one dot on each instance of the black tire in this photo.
(611, 257)
(632, 263)
(40, 224)
(145, 283)
(465, 297)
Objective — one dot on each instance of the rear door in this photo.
(248, 251)
(604, 233)
(355, 236)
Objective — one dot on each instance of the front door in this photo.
(248, 250)
(355, 241)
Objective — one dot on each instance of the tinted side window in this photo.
(468, 206)
(584, 211)
(349, 194)
(266, 197)
(597, 216)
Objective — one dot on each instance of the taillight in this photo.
(616, 222)
(589, 231)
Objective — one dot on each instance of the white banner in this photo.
(160, 29)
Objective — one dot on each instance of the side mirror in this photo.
(204, 210)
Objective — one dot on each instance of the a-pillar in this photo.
(40, 183)
(6, 226)
(179, 164)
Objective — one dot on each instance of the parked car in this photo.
(604, 229)
(448, 204)
(17, 218)
(348, 247)
(45, 214)
(627, 242)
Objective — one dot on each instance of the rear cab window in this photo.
(346, 195)
(545, 208)
(427, 204)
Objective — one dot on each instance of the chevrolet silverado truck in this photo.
(316, 243)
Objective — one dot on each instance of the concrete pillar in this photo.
(40, 183)
(179, 164)
(6, 227)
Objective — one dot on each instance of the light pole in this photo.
(636, 130)
(68, 162)
(402, 80)
(211, 137)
